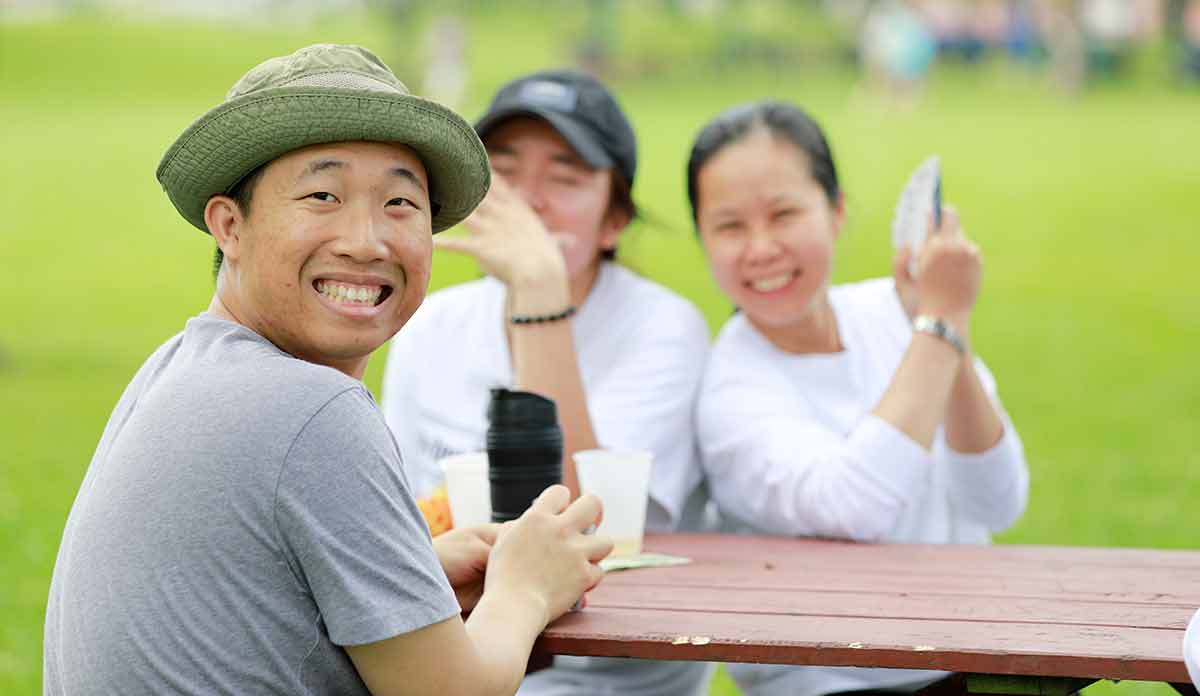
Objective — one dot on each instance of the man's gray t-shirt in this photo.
(245, 514)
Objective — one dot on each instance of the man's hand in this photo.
(545, 559)
(464, 556)
(539, 565)
(510, 242)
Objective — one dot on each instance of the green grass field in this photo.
(1086, 209)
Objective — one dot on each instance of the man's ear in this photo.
(226, 223)
(615, 222)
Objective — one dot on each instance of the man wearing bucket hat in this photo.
(245, 525)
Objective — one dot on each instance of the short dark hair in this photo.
(242, 194)
(782, 120)
(620, 199)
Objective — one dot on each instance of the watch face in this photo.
(936, 327)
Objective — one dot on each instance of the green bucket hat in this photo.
(323, 94)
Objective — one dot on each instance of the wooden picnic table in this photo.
(1012, 619)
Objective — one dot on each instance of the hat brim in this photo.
(230, 141)
(577, 135)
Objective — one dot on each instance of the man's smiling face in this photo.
(334, 256)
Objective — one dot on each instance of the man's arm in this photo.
(487, 655)
(463, 553)
(538, 568)
(349, 529)
(545, 362)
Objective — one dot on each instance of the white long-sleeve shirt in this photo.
(641, 350)
(791, 448)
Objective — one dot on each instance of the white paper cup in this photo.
(621, 479)
(467, 488)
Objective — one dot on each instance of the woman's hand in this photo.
(510, 242)
(949, 273)
(906, 285)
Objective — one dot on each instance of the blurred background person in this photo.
(445, 44)
(1059, 25)
(1185, 24)
(1109, 27)
(896, 48)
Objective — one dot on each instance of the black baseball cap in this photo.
(581, 109)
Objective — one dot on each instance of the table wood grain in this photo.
(1046, 611)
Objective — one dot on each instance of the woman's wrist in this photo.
(958, 320)
(941, 328)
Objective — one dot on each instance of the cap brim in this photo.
(577, 135)
(230, 141)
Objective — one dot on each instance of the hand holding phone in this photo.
(921, 197)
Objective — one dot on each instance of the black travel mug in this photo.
(524, 448)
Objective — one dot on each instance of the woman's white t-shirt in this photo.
(791, 448)
(641, 350)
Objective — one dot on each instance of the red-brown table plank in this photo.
(769, 563)
(874, 554)
(893, 606)
(1040, 611)
(993, 648)
(1127, 589)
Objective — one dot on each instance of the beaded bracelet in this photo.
(542, 318)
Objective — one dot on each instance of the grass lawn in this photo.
(1085, 207)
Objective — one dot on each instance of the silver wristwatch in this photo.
(936, 326)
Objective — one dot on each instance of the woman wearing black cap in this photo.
(621, 356)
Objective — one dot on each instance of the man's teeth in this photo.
(772, 283)
(353, 294)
